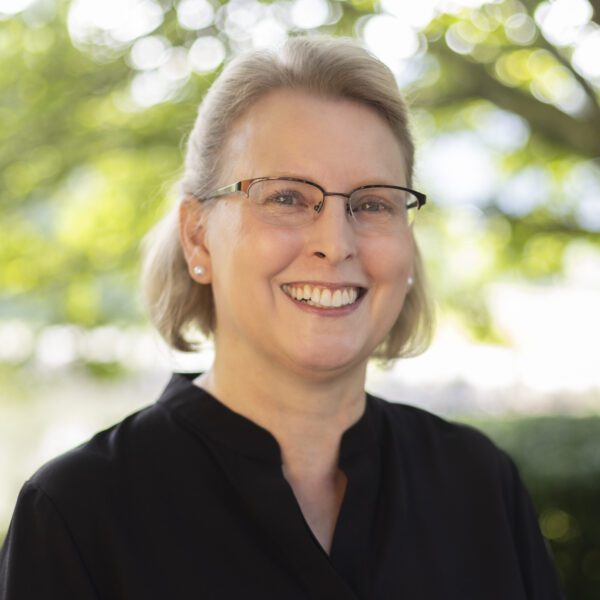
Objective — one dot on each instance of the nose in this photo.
(331, 235)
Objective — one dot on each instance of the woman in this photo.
(273, 475)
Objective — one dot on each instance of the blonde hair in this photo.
(333, 67)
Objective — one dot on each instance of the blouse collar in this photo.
(209, 417)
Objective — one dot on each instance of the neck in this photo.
(306, 415)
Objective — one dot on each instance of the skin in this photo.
(299, 373)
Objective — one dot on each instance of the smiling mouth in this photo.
(322, 296)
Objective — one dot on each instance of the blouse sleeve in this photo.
(39, 558)
(537, 568)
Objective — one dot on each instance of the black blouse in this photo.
(186, 500)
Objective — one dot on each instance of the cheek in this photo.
(223, 224)
(266, 249)
(391, 265)
(390, 260)
(246, 251)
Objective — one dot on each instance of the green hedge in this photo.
(559, 460)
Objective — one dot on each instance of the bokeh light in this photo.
(310, 14)
(149, 52)
(206, 54)
(561, 21)
(11, 7)
(390, 39)
(458, 169)
(112, 22)
(585, 56)
(195, 14)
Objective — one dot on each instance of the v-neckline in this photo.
(250, 457)
(231, 429)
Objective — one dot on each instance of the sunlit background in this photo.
(96, 99)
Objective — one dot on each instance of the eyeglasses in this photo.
(292, 202)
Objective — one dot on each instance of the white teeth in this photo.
(336, 299)
(325, 298)
(322, 297)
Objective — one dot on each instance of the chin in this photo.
(328, 360)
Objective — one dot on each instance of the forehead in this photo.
(332, 140)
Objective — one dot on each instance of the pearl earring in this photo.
(410, 281)
(198, 270)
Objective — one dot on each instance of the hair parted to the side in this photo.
(334, 67)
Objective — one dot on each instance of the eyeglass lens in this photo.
(294, 203)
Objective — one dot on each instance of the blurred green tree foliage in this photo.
(91, 134)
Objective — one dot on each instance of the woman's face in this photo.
(254, 266)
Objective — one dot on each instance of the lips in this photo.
(323, 296)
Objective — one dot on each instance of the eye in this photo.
(374, 205)
(286, 198)
(378, 204)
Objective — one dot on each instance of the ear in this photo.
(192, 235)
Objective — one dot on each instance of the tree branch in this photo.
(473, 80)
(591, 92)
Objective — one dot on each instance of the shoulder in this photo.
(148, 452)
(429, 438)
(454, 459)
(103, 465)
(428, 427)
